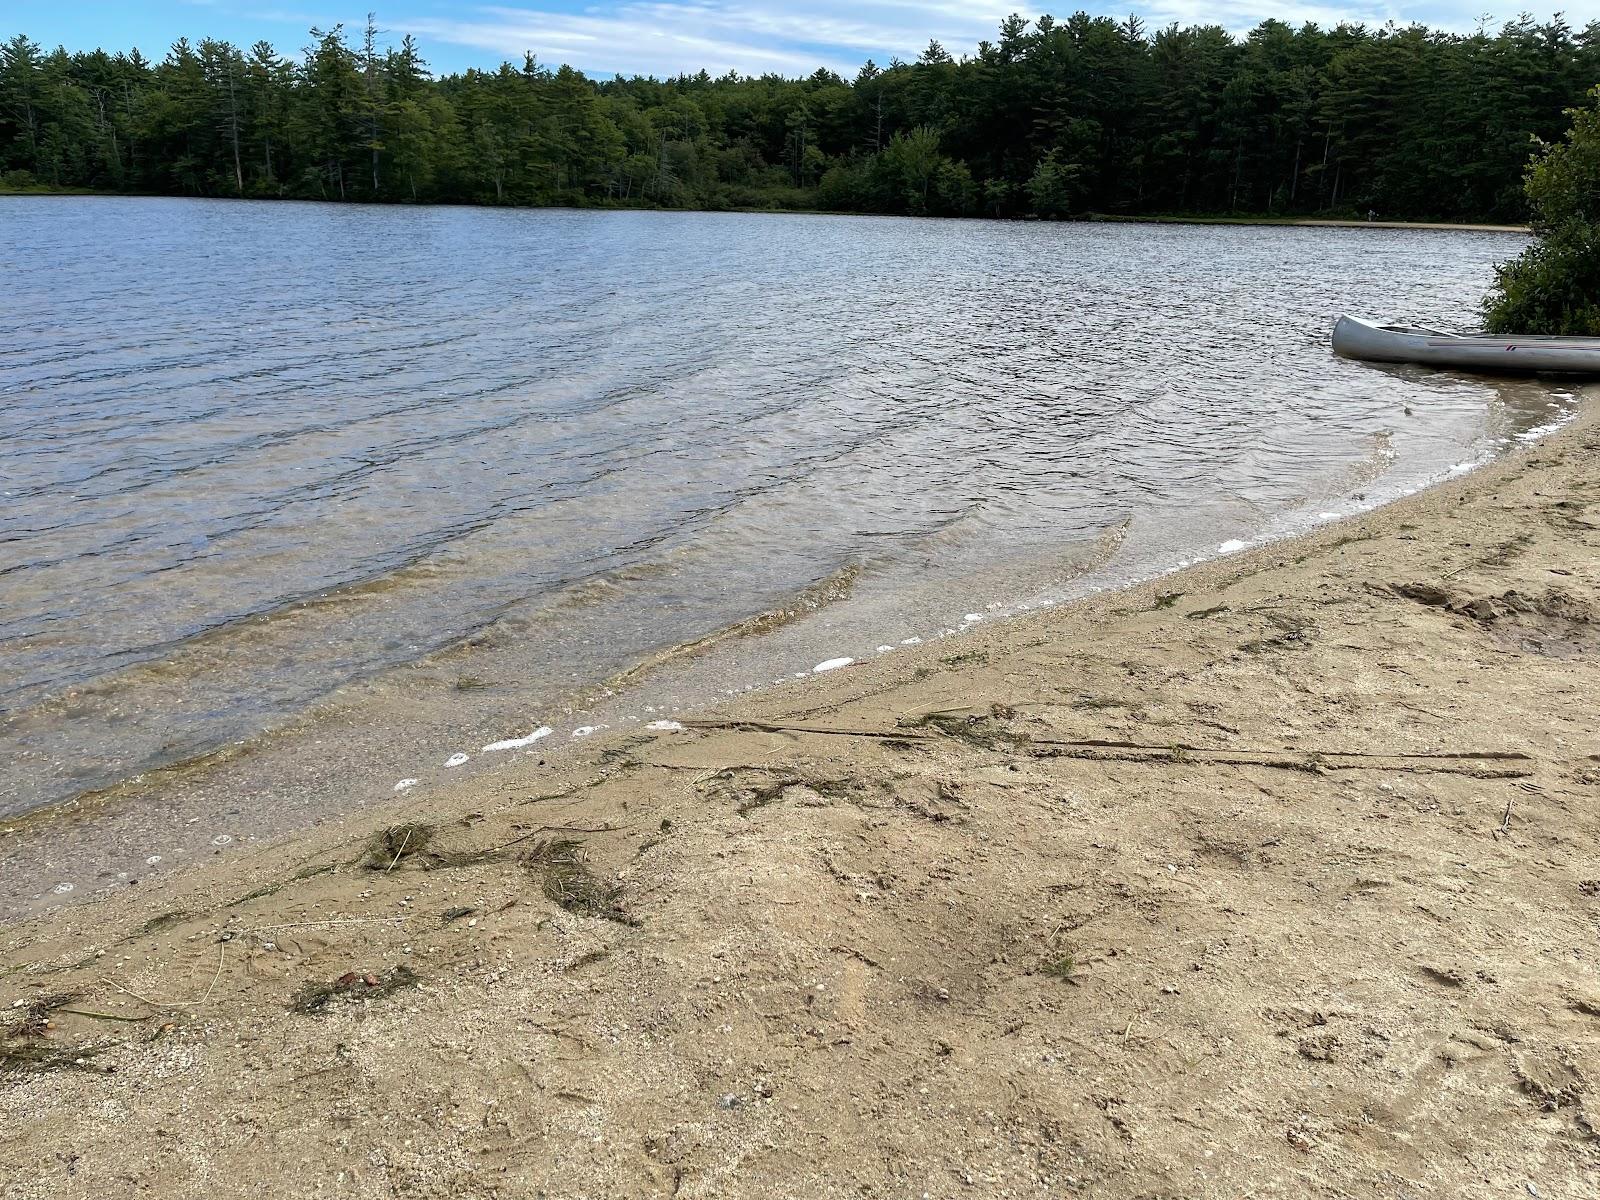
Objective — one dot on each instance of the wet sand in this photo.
(1275, 876)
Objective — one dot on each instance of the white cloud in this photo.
(666, 37)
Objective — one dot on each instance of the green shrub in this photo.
(1553, 287)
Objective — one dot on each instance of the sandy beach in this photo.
(1273, 877)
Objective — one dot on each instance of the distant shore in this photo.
(1316, 222)
(1277, 868)
(1083, 218)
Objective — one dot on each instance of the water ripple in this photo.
(255, 452)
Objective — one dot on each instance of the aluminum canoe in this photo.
(1354, 338)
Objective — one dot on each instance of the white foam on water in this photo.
(1232, 547)
(152, 860)
(543, 731)
(665, 726)
(911, 641)
(583, 731)
(1329, 516)
(405, 785)
(833, 664)
(1549, 427)
(971, 617)
(884, 649)
(61, 889)
(455, 760)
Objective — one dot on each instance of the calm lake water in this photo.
(261, 458)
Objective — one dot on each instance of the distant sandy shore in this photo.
(1274, 877)
(823, 212)
(1417, 225)
(1328, 223)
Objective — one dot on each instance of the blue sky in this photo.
(660, 37)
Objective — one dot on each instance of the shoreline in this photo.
(125, 819)
(1085, 218)
(1273, 867)
(1307, 222)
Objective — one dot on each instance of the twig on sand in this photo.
(398, 853)
(98, 1016)
(606, 828)
(1462, 762)
(1505, 825)
(222, 954)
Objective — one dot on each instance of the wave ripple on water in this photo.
(256, 453)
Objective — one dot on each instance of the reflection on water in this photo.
(255, 453)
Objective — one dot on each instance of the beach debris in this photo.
(313, 999)
(570, 884)
(982, 729)
(665, 726)
(268, 889)
(455, 760)
(161, 922)
(1060, 967)
(37, 1014)
(972, 657)
(405, 785)
(832, 664)
(583, 731)
(26, 1048)
(543, 731)
(388, 846)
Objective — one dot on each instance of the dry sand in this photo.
(1275, 877)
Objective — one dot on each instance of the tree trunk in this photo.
(233, 130)
(1322, 183)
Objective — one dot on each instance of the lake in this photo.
(400, 482)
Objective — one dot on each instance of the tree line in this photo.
(1051, 118)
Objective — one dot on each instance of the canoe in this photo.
(1353, 338)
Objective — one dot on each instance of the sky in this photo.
(665, 37)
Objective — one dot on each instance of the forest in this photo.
(1053, 118)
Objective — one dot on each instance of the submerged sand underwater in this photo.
(1272, 877)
